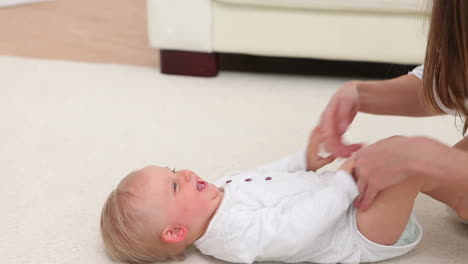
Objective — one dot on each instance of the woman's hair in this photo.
(446, 63)
(124, 236)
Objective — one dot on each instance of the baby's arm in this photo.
(348, 165)
(314, 161)
(305, 160)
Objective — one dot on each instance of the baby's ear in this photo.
(174, 234)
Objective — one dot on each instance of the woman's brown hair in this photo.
(446, 63)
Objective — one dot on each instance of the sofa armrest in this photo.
(180, 24)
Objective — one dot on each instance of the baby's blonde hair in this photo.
(124, 236)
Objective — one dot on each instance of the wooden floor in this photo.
(114, 31)
(107, 31)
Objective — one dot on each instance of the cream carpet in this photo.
(70, 131)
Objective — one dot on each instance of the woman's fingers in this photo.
(331, 137)
(368, 198)
(367, 192)
(348, 150)
(343, 115)
(314, 142)
(316, 135)
(361, 188)
(337, 117)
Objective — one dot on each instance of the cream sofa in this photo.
(189, 33)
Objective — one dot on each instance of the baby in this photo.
(282, 211)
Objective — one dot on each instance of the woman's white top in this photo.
(418, 72)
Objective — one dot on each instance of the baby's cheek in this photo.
(194, 205)
(202, 207)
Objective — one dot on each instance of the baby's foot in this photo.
(461, 211)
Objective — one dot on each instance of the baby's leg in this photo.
(386, 219)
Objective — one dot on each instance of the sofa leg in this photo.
(189, 63)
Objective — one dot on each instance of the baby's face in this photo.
(180, 197)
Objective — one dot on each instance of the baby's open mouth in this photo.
(201, 185)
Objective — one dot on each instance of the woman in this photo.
(440, 87)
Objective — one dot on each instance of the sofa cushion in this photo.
(393, 6)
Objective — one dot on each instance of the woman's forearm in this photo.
(443, 164)
(455, 164)
(401, 96)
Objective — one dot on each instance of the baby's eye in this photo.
(175, 186)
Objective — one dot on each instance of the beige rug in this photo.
(71, 131)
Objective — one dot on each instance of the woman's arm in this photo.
(462, 144)
(448, 166)
(392, 160)
(402, 96)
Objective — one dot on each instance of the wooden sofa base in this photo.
(189, 63)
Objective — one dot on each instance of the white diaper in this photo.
(373, 252)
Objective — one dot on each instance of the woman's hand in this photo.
(337, 116)
(388, 162)
(314, 161)
(349, 165)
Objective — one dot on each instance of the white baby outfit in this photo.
(419, 72)
(280, 212)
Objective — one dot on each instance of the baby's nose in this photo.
(188, 176)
